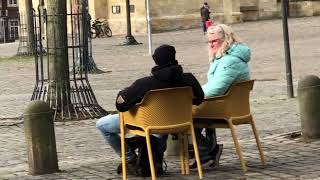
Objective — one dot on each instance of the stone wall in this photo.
(98, 9)
(316, 8)
(268, 9)
(117, 21)
(184, 14)
(304, 8)
(258, 9)
(231, 11)
(175, 14)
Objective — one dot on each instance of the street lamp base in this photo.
(130, 40)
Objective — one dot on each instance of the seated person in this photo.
(229, 59)
(166, 74)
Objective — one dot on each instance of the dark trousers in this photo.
(206, 143)
(204, 28)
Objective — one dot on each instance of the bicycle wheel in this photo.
(108, 31)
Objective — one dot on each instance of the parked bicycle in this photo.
(100, 29)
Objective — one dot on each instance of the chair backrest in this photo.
(237, 99)
(235, 103)
(164, 107)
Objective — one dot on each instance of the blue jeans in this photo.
(109, 126)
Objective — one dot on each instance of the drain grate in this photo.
(270, 79)
(293, 135)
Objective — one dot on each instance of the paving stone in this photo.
(83, 153)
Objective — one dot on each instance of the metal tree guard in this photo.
(81, 6)
(70, 95)
(23, 41)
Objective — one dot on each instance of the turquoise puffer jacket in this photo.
(231, 67)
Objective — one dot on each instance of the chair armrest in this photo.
(214, 98)
(213, 107)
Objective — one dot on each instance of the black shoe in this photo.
(202, 161)
(158, 164)
(214, 158)
(159, 169)
(131, 166)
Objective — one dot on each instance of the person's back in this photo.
(166, 74)
(205, 15)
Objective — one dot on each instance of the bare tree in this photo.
(67, 91)
(88, 62)
(30, 31)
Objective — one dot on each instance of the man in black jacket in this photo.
(166, 74)
(205, 15)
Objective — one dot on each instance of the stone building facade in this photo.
(183, 14)
(9, 20)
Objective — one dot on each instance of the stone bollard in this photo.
(40, 138)
(309, 105)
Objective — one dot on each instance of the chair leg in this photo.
(255, 132)
(181, 143)
(186, 154)
(196, 152)
(238, 149)
(123, 149)
(153, 172)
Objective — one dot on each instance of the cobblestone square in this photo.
(82, 152)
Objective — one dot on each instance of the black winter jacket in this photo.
(205, 14)
(162, 77)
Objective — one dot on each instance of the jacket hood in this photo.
(170, 73)
(241, 51)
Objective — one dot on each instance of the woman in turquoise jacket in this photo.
(228, 64)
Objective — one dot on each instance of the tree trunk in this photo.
(30, 28)
(58, 54)
(83, 33)
(87, 64)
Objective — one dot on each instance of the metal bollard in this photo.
(309, 104)
(40, 138)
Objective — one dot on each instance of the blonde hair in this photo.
(226, 34)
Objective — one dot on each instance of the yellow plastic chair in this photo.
(162, 111)
(229, 110)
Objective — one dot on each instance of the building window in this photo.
(12, 3)
(14, 28)
(115, 9)
(132, 8)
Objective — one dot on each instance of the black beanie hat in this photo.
(164, 54)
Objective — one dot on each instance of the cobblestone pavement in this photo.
(84, 155)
